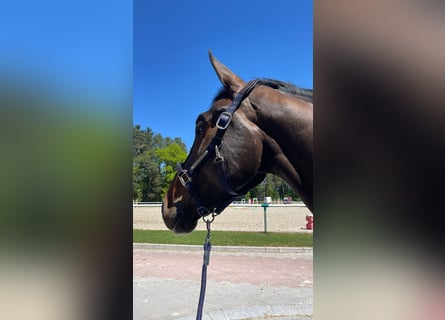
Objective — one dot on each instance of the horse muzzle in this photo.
(176, 220)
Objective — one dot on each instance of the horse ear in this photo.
(228, 79)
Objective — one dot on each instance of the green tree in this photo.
(142, 140)
(274, 187)
(147, 182)
(169, 157)
(154, 160)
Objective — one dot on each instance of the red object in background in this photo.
(310, 222)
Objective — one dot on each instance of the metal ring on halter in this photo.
(209, 220)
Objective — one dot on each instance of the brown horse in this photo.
(264, 126)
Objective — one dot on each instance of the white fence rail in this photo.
(146, 204)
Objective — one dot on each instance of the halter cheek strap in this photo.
(185, 174)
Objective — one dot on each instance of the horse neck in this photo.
(287, 124)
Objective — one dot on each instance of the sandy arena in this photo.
(280, 218)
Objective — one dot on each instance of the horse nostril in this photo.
(172, 216)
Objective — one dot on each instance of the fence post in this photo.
(265, 205)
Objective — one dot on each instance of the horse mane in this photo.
(284, 87)
(288, 88)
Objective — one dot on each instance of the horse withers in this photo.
(252, 129)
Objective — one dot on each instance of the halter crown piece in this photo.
(185, 175)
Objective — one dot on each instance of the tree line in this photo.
(154, 162)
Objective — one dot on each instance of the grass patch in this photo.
(226, 238)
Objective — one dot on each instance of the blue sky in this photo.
(72, 47)
(173, 80)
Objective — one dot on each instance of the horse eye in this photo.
(200, 127)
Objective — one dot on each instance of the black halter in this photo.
(185, 175)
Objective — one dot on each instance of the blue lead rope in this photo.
(205, 263)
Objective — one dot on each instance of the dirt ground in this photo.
(280, 218)
(241, 285)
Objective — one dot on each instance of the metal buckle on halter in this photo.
(218, 157)
(183, 176)
(223, 126)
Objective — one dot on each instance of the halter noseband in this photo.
(185, 175)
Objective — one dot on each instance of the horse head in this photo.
(228, 155)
